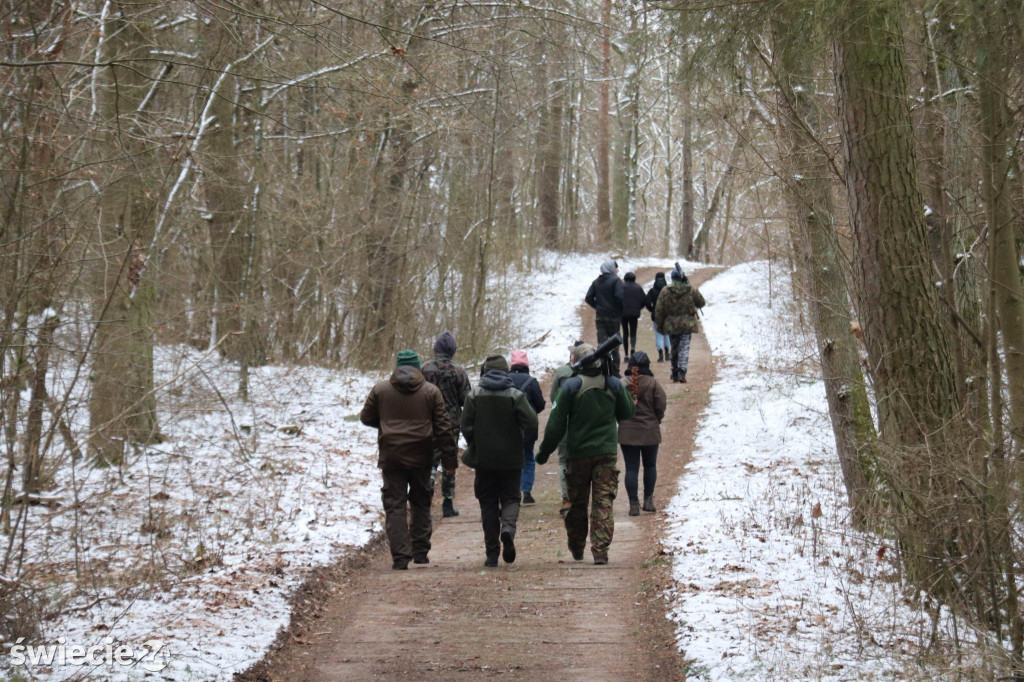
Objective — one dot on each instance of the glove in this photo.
(542, 457)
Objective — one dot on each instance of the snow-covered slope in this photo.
(771, 582)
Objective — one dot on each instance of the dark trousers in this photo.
(632, 456)
(629, 335)
(680, 354)
(596, 478)
(447, 480)
(498, 493)
(406, 489)
(606, 328)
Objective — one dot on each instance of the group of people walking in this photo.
(420, 411)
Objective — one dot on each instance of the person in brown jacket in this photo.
(640, 436)
(410, 418)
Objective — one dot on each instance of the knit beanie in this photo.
(408, 357)
(640, 358)
(630, 277)
(519, 358)
(497, 362)
(445, 344)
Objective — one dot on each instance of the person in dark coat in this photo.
(640, 436)
(676, 314)
(661, 341)
(494, 419)
(453, 380)
(606, 297)
(410, 417)
(520, 376)
(634, 300)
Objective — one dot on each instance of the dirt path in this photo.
(545, 617)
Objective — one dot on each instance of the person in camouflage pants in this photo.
(586, 413)
(453, 380)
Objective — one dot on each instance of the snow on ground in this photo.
(771, 582)
(199, 542)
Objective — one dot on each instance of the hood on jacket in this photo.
(659, 278)
(407, 379)
(609, 267)
(496, 380)
(630, 277)
(445, 344)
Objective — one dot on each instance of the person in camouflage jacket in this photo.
(675, 314)
(453, 380)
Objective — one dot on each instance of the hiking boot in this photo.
(448, 509)
(528, 498)
(491, 562)
(682, 378)
(634, 509)
(600, 559)
(577, 554)
(420, 559)
(508, 548)
(661, 355)
(400, 565)
(648, 504)
(566, 506)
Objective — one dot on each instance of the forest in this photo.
(279, 183)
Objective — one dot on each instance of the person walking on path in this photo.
(411, 421)
(561, 374)
(634, 300)
(605, 296)
(676, 315)
(661, 341)
(586, 412)
(640, 436)
(520, 376)
(494, 419)
(453, 380)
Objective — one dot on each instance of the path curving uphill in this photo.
(545, 617)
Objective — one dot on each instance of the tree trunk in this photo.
(604, 218)
(122, 404)
(808, 182)
(687, 226)
(900, 312)
(700, 241)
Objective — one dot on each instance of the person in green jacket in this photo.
(561, 374)
(493, 421)
(586, 412)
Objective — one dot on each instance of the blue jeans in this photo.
(661, 341)
(526, 480)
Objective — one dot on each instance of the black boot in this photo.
(448, 509)
(661, 355)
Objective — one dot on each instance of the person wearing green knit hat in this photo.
(408, 358)
(410, 417)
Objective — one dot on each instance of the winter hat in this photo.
(660, 276)
(519, 358)
(678, 273)
(609, 267)
(582, 351)
(445, 344)
(630, 277)
(408, 357)
(575, 344)
(494, 362)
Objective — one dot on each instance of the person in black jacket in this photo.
(495, 416)
(606, 296)
(661, 341)
(521, 379)
(634, 300)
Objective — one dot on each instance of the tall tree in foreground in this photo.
(122, 404)
(808, 180)
(908, 346)
(604, 215)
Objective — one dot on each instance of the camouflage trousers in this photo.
(680, 354)
(562, 452)
(594, 477)
(447, 482)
